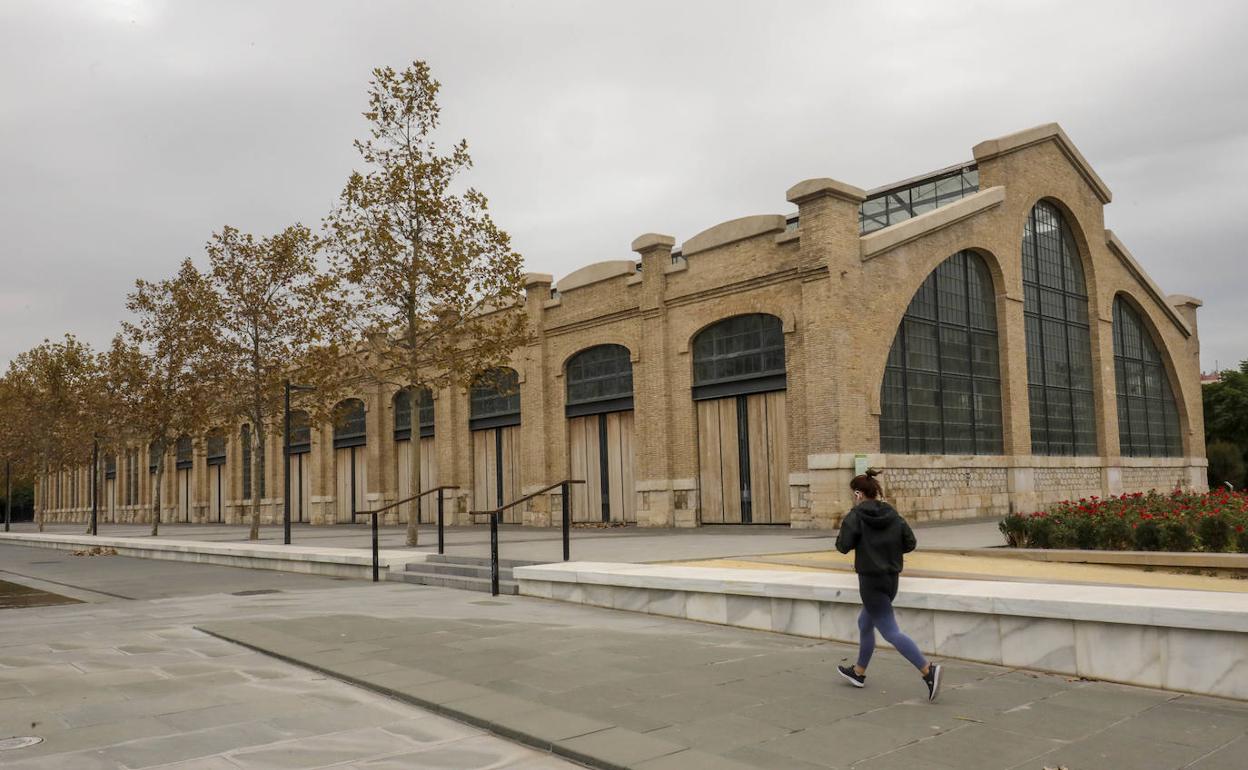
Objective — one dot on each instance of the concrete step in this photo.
(479, 561)
(463, 583)
(466, 570)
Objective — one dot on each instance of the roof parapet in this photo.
(1133, 267)
(992, 148)
(732, 231)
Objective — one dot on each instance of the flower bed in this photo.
(1180, 521)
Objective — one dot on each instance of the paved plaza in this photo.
(129, 682)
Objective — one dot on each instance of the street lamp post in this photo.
(95, 486)
(290, 387)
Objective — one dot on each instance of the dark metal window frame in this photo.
(1070, 262)
(617, 386)
(1138, 440)
(245, 439)
(918, 196)
(765, 379)
(986, 439)
(216, 449)
(350, 423)
(494, 399)
(300, 432)
(403, 414)
(110, 466)
(184, 453)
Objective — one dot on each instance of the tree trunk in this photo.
(413, 511)
(257, 458)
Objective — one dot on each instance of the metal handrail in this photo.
(495, 513)
(416, 513)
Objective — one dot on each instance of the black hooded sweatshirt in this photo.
(878, 536)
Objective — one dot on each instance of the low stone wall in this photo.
(1193, 641)
(354, 563)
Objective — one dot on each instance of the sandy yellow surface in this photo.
(921, 564)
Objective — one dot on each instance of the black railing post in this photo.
(494, 553)
(567, 524)
(376, 560)
(441, 534)
(286, 469)
(95, 484)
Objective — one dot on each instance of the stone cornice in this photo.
(1004, 145)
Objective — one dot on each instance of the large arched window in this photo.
(300, 432)
(1059, 346)
(495, 399)
(1148, 419)
(600, 380)
(739, 355)
(185, 455)
(403, 414)
(154, 455)
(942, 383)
(350, 424)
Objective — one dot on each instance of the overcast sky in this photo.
(131, 130)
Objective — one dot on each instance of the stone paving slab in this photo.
(713, 696)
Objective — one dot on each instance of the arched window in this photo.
(216, 448)
(739, 355)
(1148, 419)
(403, 414)
(1059, 345)
(350, 424)
(110, 466)
(185, 453)
(600, 380)
(300, 432)
(495, 399)
(153, 457)
(942, 383)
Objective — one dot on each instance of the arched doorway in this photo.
(350, 459)
(300, 466)
(403, 451)
(184, 460)
(599, 408)
(216, 476)
(494, 419)
(739, 386)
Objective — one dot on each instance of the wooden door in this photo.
(743, 459)
(496, 470)
(428, 478)
(184, 495)
(300, 487)
(351, 473)
(600, 451)
(216, 496)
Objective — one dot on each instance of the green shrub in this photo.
(1085, 533)
(1226, 463)
(1014, 528)
(1040, 532)
(1115, 534)
(1241, 541)
(1177, 536)
(1214, 533)
(1147, 536)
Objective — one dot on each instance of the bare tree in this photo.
(429, 273)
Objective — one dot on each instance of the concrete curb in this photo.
(1120, 558)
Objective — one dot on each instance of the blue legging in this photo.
(878, 592)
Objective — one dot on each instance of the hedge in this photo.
(1179, 521)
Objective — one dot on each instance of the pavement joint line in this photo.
(33, 579)
(442, 709)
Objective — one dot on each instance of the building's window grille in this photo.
(1148, 418)
(110, 466)
(350, 424)
(403, 414)
(600, 380)
(494, 399)
(889, 207)
(185, 453)
(942, 383)
(216, 448)
(132, 477)
(1059, 342)
(739, 355)
(300, 432)
(153, 456)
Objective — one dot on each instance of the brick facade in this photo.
(839, 296)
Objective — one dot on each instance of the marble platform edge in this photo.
(1160, 607)
(336, 562)
(1203, 661)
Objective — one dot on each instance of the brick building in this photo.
(976, 333)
